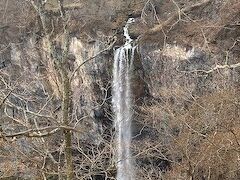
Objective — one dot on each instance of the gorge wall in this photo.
(185, 85)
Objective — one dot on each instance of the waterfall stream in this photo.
(123, 59)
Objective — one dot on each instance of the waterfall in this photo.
(123, 59)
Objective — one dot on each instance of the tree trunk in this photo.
(67, 133)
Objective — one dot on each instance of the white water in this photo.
(123, 58)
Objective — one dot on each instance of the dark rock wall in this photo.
(176, 53)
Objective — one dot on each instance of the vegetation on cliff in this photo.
(56, 61)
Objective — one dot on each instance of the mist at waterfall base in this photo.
(122, 103)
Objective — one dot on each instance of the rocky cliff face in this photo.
(188, 53)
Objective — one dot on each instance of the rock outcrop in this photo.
(187, 51)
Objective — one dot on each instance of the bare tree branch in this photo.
(39, 132)
(89, 59)
(176, 15)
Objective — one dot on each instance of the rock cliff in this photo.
(185, 86)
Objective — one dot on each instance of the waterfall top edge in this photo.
(126, 33)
